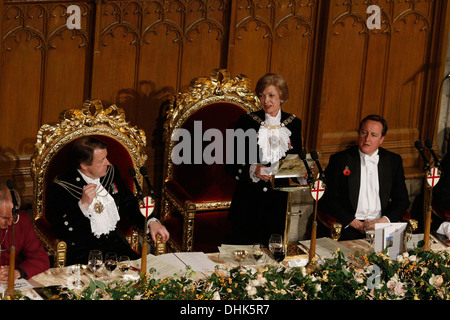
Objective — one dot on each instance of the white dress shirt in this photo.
(369, 204)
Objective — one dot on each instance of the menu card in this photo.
(390, 236)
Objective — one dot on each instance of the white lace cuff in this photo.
(252, 173)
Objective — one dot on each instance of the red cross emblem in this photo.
(317, 190)
(433, 176)
(147, 207)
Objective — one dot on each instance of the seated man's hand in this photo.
(371, 222)
(157, 228)
(88, 195)
(358, 225)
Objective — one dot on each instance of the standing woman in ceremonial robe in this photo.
(257, 211)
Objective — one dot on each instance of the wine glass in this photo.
(276, 247)
(110, 262)
(241, 255)
(258, 251)
(95, 261)
(76, 271)
(370, 232)
(124, 264)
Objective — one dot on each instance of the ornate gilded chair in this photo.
(330, 222)
(125, 149)
(196, 197)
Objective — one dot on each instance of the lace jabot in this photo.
(274, 138)
(106, 221)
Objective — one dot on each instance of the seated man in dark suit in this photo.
(441, 195)
(365, 183)
(85, 204)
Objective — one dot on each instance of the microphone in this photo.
(310, 178)
(10, 186)
(419, 147)
(143, 171)
(315, 157)
(132, 174)
(446, 77)
(429, 145)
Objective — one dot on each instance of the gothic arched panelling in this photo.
(381, 71)
(137, 53)
(278, 37)
(343, 87)
(292, 52)
(42, 51)
(43, 66)
(20, 94)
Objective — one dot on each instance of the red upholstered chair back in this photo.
(196, 195)
(442, 213)
(208, 182)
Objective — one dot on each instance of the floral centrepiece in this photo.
(415, 275)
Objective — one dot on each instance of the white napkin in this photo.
(444, 229)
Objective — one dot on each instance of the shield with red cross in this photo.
(147, 206)
(433, 176)
(317, 190)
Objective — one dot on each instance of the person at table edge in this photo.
(85, 204)
(364, 183)
(31, 257)
(441, 199)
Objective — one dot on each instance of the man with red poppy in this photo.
(441, 200)
(365, 183)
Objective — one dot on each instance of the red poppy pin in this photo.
(346, 171)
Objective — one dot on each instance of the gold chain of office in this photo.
(76, 191)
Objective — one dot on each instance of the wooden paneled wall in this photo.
(392, 71)
(136, 54)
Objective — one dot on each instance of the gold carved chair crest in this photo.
(126, 149)
(196, 195)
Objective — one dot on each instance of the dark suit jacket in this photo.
(441, 192)
(342, 191)
(69, 223)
